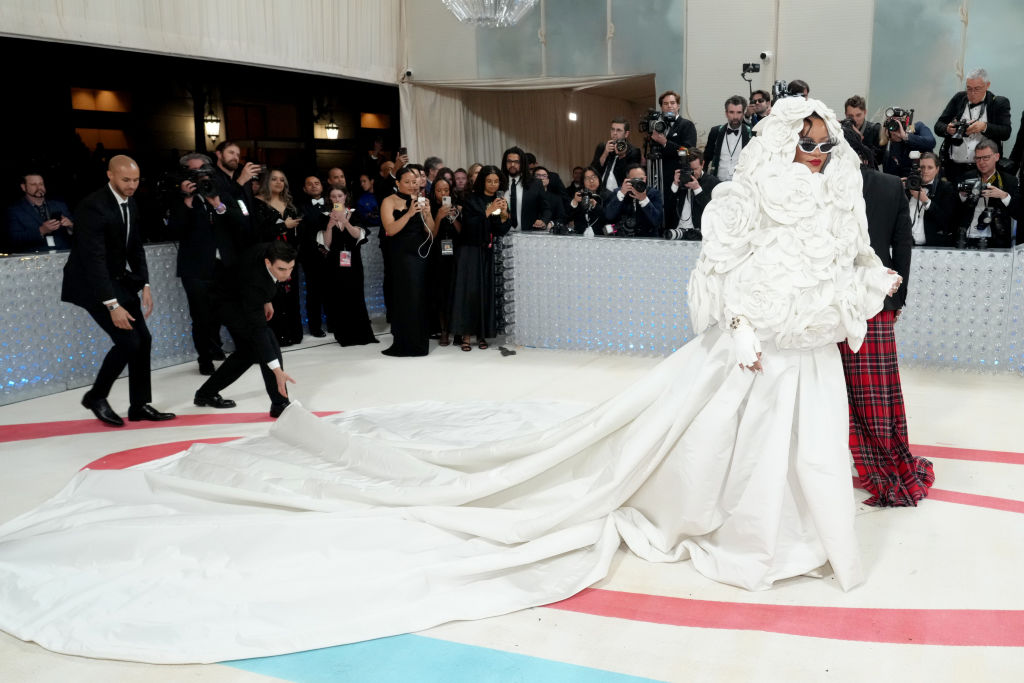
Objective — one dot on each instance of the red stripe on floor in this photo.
(43, 430)
(137, 456)
(975, 500)
(950, 453)
(1004, 628)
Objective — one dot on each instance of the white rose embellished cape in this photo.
(378, 522)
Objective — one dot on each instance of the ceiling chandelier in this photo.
(489, 13)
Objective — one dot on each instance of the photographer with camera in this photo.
(210, 234)
(899, 137)
(635, 209)
(612, 157)
(725, 142)
(760, 107)
(932, 203)
(586, 209)
(988, 202)
(869, 131)
(37, 223)
(970, 117)
(689, 194)
(667, 133)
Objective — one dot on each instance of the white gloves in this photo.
(745, 344)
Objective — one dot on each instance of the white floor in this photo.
(941, 555)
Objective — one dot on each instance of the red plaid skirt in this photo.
(878, 423)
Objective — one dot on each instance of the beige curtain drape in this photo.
(475, 121)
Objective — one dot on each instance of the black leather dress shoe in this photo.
(148, 412)
(215, 401)
(206, 367)
(102, 410)
(277, 408)
(318, 333)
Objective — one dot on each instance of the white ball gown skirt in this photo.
(396, 519)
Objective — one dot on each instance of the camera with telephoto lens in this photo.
(585, 197)
(690, 234)
(560, 228)
(972, 187)
(656, 122)
(621, 146)
(960, 127)
(897, 116)
(780, 89)
(914, 181)
(638, 184)
(203, 179)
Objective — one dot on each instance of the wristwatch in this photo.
(114, 306)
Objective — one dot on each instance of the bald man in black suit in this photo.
(104, 275)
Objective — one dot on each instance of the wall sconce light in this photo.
(332, 130)
(211, 122)
(572, 116)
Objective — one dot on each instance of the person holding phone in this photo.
(441, 264)
(407, 226)
(341, 247)
(37, 223)
(485, 215)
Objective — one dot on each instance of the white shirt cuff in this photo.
(698, 191)
(1005, 200)
(274, 364)
(675, 188)
(621, 196)
(645, 201)
(109, 302)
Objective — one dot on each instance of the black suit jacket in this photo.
(682, 133)
(534, 201)
(632, 157)
(1017, 155)
(23, 223)
(997, 109)
(240, 295)
(1000, 238)
(676, 200)
(940, 216)
(103, 265)
(713, 150)
(889, 227)
(648, 218)
(202, 233)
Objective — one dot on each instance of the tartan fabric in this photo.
(878, 426)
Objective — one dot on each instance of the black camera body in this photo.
(203, 179)
(560, 228)
(638, 184)
(972, 187)
(780, 89)
(691, 234)
(621, 147)
(585, 197)
(657, 122)
(914, 180)
(959, 131)
(897, 116)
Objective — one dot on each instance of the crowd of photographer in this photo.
(440, 229)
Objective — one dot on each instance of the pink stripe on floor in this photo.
(950, 453)
(137, 456)
(1000, 628)
(44, 430)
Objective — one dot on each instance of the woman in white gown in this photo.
(732, 452)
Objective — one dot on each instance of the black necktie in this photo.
(514, 204)
(124, 215)
(732, 131)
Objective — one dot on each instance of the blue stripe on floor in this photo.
(417, 659)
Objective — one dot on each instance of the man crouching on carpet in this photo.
(243, 298)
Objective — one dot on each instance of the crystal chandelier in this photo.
(489, 13)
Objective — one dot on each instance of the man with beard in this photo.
(528, 208)
(232, 182)
(725, 142)
(37, 223)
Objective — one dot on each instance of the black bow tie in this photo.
(732, 131)
(317, 202)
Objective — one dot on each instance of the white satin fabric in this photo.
(393, 520)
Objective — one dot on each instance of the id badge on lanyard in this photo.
(345, 259)
(447, 248)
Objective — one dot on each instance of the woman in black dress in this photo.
(589, 213)
(276, 218)
(407, 226)
(346, 303)
(484, 216)
(441, 264)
